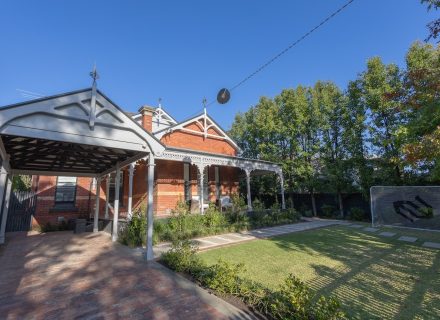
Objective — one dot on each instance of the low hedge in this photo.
(292, 300)
(185, 225)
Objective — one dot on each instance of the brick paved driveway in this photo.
(60, 275)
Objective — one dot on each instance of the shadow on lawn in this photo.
(60, 275)
(377, 278)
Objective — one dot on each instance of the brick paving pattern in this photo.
(65, 276)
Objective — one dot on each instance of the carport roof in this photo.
(81, 133)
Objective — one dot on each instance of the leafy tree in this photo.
(335, 121)
(422, 100)
(433, 26)
(381, 89)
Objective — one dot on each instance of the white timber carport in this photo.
(82, 134)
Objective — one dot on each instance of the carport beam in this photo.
(98, 198)
(5, 206)
(116, 205)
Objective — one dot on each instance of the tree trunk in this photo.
(312, 194)
(341, 205)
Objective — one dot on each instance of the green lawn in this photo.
(373, 277)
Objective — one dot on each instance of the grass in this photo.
(374, 277)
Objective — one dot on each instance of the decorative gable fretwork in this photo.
(201, 125)
(203, 160)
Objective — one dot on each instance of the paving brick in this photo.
(435, 245)
(387, 234)
(61, 275)
(369, 229)
(407, 239)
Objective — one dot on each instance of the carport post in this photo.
(5, 207)
(107, 191)
(130, 190)
(116, 205)
(98, 198)
(150, 254)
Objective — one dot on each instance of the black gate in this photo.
(21, 209)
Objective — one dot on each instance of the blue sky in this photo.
(183, 51)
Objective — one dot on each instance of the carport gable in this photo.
(81, 133)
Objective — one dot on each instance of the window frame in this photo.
(57, 187)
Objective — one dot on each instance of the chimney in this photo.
(147, 117)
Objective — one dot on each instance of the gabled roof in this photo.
(80, 132)
(208, 123)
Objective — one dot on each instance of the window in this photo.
(187, 181)
(66, 190)
(112, 188)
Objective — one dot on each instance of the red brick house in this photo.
(62, 198)
(75, 144)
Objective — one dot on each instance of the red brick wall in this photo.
(193, 141)
(168, 190)
(45, 189)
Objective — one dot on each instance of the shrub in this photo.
(357, 214)
(427, 212)
(328, 210)
(224, 277)
(134, 233)
(238, 203)
(181, 257)
(293, 300)
(213, 218)
(257, 205)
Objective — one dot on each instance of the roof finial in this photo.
(94, 74)
(160, 103)
(204, 105)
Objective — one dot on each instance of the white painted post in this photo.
(5, 208)
(107, 192)
(201, 186)
(98, 198)
(150, 254)
(130, 190)
(248, 185)
(283, 201)
(116, 205)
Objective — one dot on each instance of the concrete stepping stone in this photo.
(407, 239)
(387, 234)
(369, 229)
(356, 226)
(435, 245)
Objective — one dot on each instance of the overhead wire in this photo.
(293, 44)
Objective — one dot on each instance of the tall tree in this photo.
(382, 86)
(422, 100)
(335, 121)
(355, 136)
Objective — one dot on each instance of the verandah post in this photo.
(116, 205)
(98, 198)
